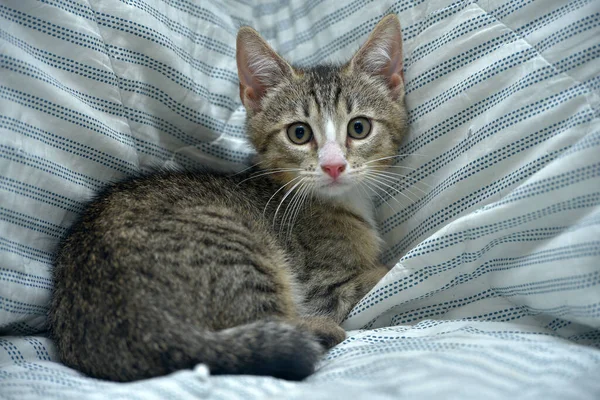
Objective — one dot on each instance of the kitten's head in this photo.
(330, 125)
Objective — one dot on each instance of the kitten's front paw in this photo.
(327, 331)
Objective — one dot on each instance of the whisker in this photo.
(278, 190)
(398, 166)
(394, 180)
(246, 169)
(391, 187)
(406, 177)
(414, 169)
(278, 169)
(396, 156)
(374, 191)
(288, 204)
(384, 170)
(275, 170)
(384, 167)
(269, 173)
(285, 197)
(370, 180)
(299, 206)
(362, 186)
(292, 204)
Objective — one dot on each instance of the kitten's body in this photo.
(201, 256)
(242, 272)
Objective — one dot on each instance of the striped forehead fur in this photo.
(327, 87)
(326, 99)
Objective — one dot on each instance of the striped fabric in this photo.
(493, 235)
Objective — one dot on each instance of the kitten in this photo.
(250, 273)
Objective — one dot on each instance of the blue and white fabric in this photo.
(492, 237)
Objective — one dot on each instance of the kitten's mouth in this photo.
(333, 183)
(334, 188)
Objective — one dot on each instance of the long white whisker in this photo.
(405, 177)
(361, 184)
(394, 180)
(269, 173)
(414, 169)
(390, 182)
(272, 170)
(398, 166)
(299, 207)
(292, 204)
(374, 191)
(278, 190)
(384, 167)
(370, 180)
(246, 169)
(393, 188)
(398, 177)
(285, 197)
(396, 156)
(378, 186)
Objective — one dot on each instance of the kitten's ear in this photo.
(382, 53)
(259, 67)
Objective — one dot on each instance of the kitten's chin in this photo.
(334, 190)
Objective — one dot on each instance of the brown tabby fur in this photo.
(169, 270)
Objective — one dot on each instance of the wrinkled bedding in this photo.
(492, 235)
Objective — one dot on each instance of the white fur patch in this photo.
(330, 131)
(360, 203)
(331, 154)
(264, 68)
(378, 57)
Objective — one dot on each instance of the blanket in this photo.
(492, 235)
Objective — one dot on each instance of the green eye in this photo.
(359, 128)
(299, 133)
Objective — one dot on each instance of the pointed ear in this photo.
(382, 54)
(259, 67)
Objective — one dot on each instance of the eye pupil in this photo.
(299, 133)
(358, 127)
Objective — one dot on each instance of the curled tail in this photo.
(270, 348)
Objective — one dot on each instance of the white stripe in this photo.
(330, 134)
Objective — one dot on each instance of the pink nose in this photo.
(333, 170)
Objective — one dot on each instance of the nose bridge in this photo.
(330, 129)
(331, 153)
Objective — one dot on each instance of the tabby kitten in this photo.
(250, 273)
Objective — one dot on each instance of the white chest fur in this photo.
(359, 203)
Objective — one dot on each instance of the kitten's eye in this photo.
(299, 133)
(359, 128)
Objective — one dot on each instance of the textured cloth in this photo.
(493, 236)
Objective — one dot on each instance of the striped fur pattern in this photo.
(494, 284)
(249, 273)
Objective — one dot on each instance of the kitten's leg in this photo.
(368, 279)
(348, 294)
(327, 331)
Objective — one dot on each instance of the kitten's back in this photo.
(167, 271)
